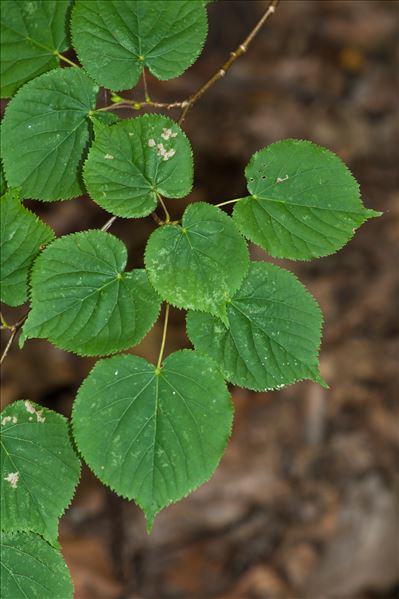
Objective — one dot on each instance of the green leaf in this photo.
(39, 469)
(274, 331)
(22, 235)
(32, 569)
(200, 264)
(305, 203)
(44, 134)
(84, 302)
(31, 35)
(103, 118)
(153, 436)
(115, 40)
(134, 160)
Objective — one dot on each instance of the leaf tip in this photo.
(149, 519)
(317, 378)
(373, 213)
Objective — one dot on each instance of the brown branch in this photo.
(233, 57)
(14, 328)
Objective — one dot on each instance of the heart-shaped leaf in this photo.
(31, 35)
(35, 445)
(134, 161)
(305, 202)
(200, 264)
(153, 435)
(45, 132)
(116, 39)
(273, 333)
(84, 302)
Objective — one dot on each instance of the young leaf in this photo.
(305, 202)
(44, 133)
(274, 331)
(115, 40)
(133, 161)
(84, 302)
(200, 264)
(22, 235)
(31, 568)
(31, 35)
(153, 436)
(35, 446)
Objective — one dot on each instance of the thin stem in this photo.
(133, 104)
(165, 328)
(7, 347)
(14, 330)
(167, 215)
(108, 223)
(146, 94)
(65, 59)
(233, 57)
(228, 202)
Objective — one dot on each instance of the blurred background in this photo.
(305, 502)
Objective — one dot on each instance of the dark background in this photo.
(304, 504)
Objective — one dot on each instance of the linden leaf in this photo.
(45, 132)
(84, 302)
(153, 436)
(115, 40)
(134, 161)
(23, 234)
(31, 568)
(200, 264)
(273, 333)
(305, 202)
(35, 445)
(31, 35)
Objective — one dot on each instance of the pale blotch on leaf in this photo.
(108, 157)
(280, 180)
(8, 419)
(32, 410)
(167, 134)
(166, 154)
(13, 479)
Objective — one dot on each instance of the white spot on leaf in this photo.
(108, 157)
(32, 410)
(8, 419)
(167, 134)
(279, 180)
(13, 479)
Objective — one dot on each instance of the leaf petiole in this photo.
(65, 59)
(167, 215)
(161, 351)
(228, 202)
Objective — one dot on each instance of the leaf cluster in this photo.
(151, 432)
